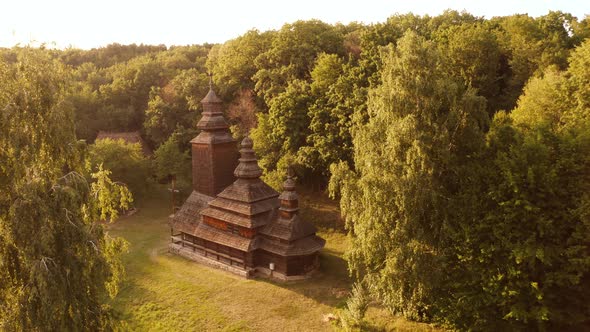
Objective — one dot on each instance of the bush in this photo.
(125, 161)
(170, 161)
(356, 307)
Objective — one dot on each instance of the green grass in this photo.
(164, 292)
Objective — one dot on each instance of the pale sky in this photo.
(86, 24)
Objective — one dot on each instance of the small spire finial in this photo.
(289, 184)
(210, 74)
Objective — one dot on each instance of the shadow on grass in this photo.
(330, 285)
(319, 209)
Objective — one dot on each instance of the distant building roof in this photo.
(129, 137)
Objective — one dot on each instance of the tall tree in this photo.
(422, 126)
(283, 130)
(233, 63)
(175, 105)
(483, 236)
(292, 55)
(474, 56)
(339, 92)
(56, 263)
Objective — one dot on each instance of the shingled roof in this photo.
(187, 218)
(297, 235)
(248, 202)
(213, 126)
(227, 239)
(304, 246)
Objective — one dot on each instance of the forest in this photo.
(458, 148)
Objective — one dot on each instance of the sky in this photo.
(87, 24)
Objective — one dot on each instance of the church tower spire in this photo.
(214, 149)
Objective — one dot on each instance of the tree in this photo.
(555, 98)
(125, 161)
(282, 131)
(558, 38)
(172, 162)
(526, 256)
(529, 46)
(579, 84)
(85, 103)
(339, 96)
(174, 106)
(126, 96)
(292, 55)
(474, 56)
(407, 162)
(379, 35)
(242, 113)
(544, 100)
(57, 265)
(477, 236)
(233, 63)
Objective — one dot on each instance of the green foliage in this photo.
(558, 99)
(56, 263)
(125, 162)
(531, 45)
(421, 127)
(111, 196)
(579, 84)
(523, 258)
(490, 236)
(474, 56)
(126, 95)
(119, 93)
(233, 62)
(292, 55)
(175, 105)
(171, 161)
(494, 57)
(285, 128)
(339, 94)
(109, 55)
(543, 101)
(379, 35)
(538, 256)
(356, 307)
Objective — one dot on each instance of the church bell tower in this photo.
(214, 151)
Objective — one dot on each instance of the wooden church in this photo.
(233, 220)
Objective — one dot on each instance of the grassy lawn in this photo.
(164, 292)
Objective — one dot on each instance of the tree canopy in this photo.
(457, 145)
(474, 228)
(56, 263)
